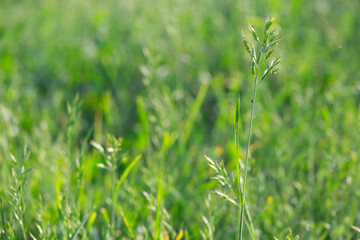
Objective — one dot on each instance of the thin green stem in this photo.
(23, 231)
(113, 219)
(247, 157)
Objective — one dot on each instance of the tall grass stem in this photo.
(247, 158)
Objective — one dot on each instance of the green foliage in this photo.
(163, 76)
(289, 236)
(17, 189)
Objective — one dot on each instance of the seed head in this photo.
(269, 22)
(252, 30)
(253, 68)
(246, 44)
(269, 54)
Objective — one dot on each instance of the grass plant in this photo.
(20, 173)
(267, 46)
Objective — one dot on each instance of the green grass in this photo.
(267, 47)
(164, 77)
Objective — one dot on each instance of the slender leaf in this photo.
(124, 176)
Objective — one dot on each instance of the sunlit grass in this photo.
(164, 77)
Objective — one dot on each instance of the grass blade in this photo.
(189, 124)
(91, 220)
(126, 222)
(124, 176)
(237, 118)
(356, 229)
(158, 209)
(73, 236)
(145, 131)
(180, 235)
(2, 213)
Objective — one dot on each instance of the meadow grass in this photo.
(267, 48)
(89, 86)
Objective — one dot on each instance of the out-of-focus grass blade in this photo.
(250, 223)
(105, 216)
(2, 213)
(189, 124)
(126, 221)
(32, 236)
(158, 209)
(144, 136)
(180, 235)
(355, 228)
(124, 176)
(86, 140)
(91, 220)
(97, 146)
(73, 236)
(187, 235)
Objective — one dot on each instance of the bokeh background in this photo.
(164, 76)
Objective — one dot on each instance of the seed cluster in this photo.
(267, 47)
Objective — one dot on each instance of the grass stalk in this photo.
(249, 223)
(237, 117)
(247, 160)
(266, 48)
(113, 219)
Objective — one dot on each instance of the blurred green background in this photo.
(164, 75)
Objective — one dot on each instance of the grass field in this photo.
(107, 109)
